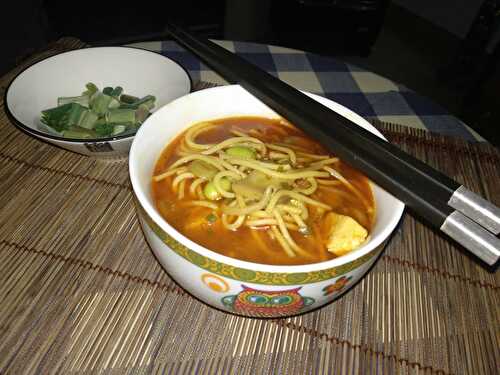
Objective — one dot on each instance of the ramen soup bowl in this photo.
(232, 285)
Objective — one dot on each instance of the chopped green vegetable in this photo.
(107, 90)
(128, 99)
(114, 103)
(211, 192)
(99, 103)
(201, 169)
(91, 89)
(148, 101)
(241, 152)
(63, 117)
(100, 121)
(225, 183)
(76, 134)
(82, 100)
(254, 185)
(119, 129)
(88, 120)
(97, 113)
(211, 218)
(104, 129)
(117, 91)
(120, 116)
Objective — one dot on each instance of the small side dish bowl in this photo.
(139, 72)
(240, 287)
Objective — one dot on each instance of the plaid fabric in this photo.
(368, 94)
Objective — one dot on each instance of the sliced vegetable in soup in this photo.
(259, 190)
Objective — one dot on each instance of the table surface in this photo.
(81, 291)
(366, 93)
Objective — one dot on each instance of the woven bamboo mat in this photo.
(81, 292)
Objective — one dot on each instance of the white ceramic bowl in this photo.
(229, 284)
(138, 71)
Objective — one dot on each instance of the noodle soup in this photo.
(259, 190)
(246, 265)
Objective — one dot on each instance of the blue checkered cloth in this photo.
(368, 94)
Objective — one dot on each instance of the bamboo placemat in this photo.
(81, 292)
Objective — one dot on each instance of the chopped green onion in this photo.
(99, 103)
(114, 103)
(202, 169)
(97, 113)
(225, 183)
(107, 90)
(211, 218)
(91, 89)
(100, 121)
(211, 192)
(128, 99)
(241, 152)
(148, 101)
(88, 120)
(63, 117)
(76, 134)
(82, 100)
(117, 91)
(120, 116)
(104, 129)
(118, 129)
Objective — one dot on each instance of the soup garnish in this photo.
(259, 190)
(97, 114)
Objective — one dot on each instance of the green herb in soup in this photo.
(96, 114)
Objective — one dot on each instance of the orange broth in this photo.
(255, 245)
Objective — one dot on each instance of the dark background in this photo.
(446, 50)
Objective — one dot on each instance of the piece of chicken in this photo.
(343, 233)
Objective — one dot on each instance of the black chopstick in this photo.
(423, 189)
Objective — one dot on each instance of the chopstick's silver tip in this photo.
(477, 208)
(473, 237)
